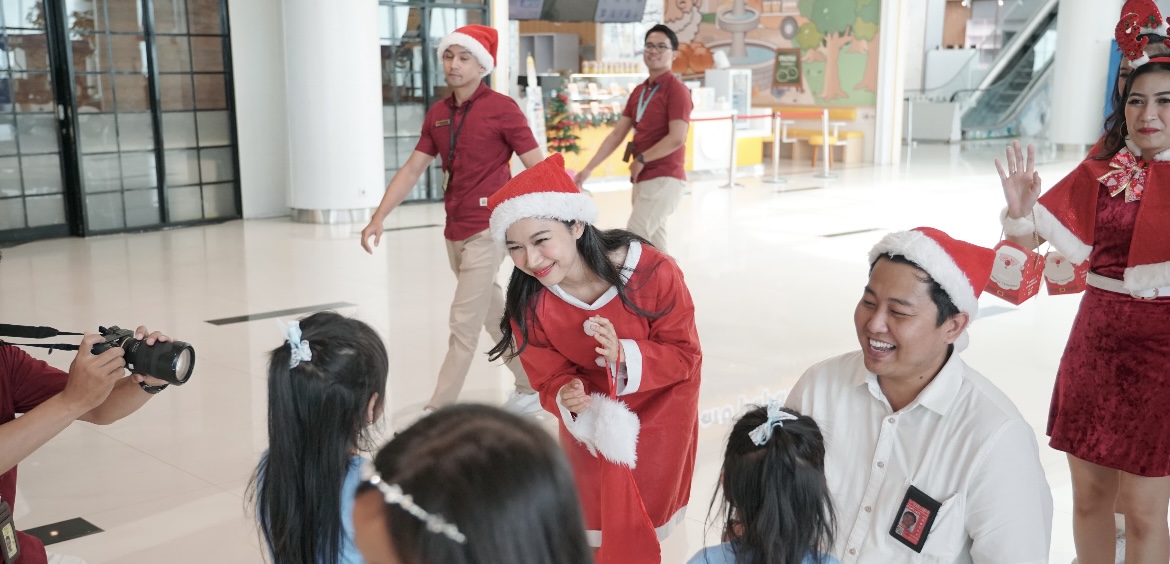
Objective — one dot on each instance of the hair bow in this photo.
(776, 417)
(300, 347)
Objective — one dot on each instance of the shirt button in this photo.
(892, 420)
(852, 551)
(881, 464)
(868, 509)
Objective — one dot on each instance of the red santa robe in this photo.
(655, 439)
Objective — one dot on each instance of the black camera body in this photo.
(172, 361)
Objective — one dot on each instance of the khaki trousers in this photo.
(478, 303)
(654, 200)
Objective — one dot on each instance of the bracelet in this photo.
(1016, 226)
(152, 390)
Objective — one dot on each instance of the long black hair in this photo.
(501, 480)
(316, 419)
(1116, 130)
(775, 503)
(595, 247)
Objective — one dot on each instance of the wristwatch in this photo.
(638, 157)
(152, 389)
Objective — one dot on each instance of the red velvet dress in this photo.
(1112, 393)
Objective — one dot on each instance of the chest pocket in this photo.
(948, 533)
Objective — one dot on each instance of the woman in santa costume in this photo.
(1110, 399)
(604, 326)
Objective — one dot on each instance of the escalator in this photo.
(1004, 104)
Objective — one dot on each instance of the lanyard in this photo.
(644, 103)
(455, 133)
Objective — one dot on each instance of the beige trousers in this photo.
(654, 200)
(478, 303)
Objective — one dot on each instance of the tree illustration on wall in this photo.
(866, 29)
(828, 31)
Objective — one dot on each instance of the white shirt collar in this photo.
(937, 396)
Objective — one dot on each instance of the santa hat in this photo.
(1139, 19)
(961, 268)
(544, 191)
(480, 40)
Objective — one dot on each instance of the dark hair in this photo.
(1116, 130)
(501, 480)
(316, 418)
(942, 300)
(775, 503)
(524, 290)
(669, 33)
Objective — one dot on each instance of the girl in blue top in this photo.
(325, 387)
(775, 503)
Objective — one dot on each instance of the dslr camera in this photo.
(170, 360)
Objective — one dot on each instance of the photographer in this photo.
(96, 390)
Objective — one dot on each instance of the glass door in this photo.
(115, 115)
(32, 189)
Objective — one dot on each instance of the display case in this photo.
(601, 93)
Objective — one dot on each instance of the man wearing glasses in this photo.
(659, 111)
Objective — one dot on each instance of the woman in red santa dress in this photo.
(604, 326)
(1110, 398)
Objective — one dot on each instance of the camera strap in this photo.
(51, 346)
(31, 332)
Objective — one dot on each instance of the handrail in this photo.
(1017, 44)
(1013, 111)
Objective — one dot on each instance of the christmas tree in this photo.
(560, 124)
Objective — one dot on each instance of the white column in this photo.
(334, 101)
(887, 146)
(503, 79)
(261, 124)
(1083, 31)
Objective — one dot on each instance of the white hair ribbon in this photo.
(300, 347)
(393, 494)
(776, 417)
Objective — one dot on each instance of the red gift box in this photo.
(1062, 276)
(1016, 274)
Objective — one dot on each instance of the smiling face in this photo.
(897, 324)
(545, 249)
(460, 67)
(1147, 112)
(658, 53)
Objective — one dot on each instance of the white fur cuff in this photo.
(608, 427)
(1016, 227)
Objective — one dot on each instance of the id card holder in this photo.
(446, 179)
(9, 548)
(629, 152)
(914, 518)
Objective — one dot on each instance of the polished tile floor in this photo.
(775, 271)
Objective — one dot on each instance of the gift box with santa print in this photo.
(1062, 276)
(1017, 273)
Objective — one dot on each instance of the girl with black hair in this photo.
(325, 386)
(604, 326)
(470, 484)
(775, 503)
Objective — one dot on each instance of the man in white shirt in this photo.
(927, 460)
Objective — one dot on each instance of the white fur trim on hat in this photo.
(1053, 231)
(544, 205)
(472, 45)
(920, 249)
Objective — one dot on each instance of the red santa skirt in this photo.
(1113, 388)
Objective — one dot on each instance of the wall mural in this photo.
(812, 52)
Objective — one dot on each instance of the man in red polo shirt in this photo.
(659, 111)
(474, 132)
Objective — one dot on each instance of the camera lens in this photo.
(171, 360)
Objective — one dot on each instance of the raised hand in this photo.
(1021, 182)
